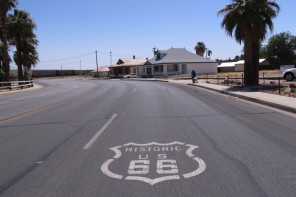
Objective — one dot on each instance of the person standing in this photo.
(193, 75)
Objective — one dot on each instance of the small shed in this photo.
(226, 67)
(239, 66)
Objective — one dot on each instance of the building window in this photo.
(175, 67)
(158, 68)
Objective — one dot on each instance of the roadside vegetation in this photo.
(17, 32)
(248, 21)
(280, 49)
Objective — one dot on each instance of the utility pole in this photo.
(80, 69)
(97, 64)
(79, 66)
(110, 58)
(62, 72)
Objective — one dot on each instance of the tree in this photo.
(210, 53)
(248, 21)
(200, 48)
(21, 30)
(30, 55)
(1, 56)
(2, 74)
(281, 49)
(5, 6)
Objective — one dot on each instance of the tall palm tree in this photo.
(1, 56)
(2, 73)
(5, 6)
(200, 48)
(248, 21)
(29, 55)
(21, 31)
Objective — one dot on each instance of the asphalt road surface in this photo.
(137, 138)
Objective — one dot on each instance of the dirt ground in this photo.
(270, 86)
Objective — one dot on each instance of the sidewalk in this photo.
(272, 100)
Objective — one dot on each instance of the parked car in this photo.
(289, 74)
(131, 75)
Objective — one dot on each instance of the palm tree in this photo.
(5, 6)
(248, 21)
(210, 53)
(200, 48)
(30, 55)
(21, 30)
(1, 56)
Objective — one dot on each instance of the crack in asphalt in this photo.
(241, 166)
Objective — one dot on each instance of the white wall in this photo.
(202, 68)
(239, 68)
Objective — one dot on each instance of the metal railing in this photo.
(16, 84)
(265, 83)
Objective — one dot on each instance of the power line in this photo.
(55, 62)
(68, 58)
(67, 63)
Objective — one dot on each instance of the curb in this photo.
(35, 87)
(255, 100)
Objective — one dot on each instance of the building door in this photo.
(149, 71)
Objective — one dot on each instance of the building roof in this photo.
(130, 62)
(102, 69)
(227, 64)
(177, 55)
(233, 64)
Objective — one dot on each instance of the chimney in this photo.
(134, 57)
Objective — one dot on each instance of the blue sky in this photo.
(69, 30)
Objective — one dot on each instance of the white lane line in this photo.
(99, 133)
(135, 90)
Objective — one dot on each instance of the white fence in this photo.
(16, 84)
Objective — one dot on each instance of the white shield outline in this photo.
(116, 149)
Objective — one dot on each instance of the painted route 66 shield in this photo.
(153, 162)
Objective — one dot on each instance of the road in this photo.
(138, 138)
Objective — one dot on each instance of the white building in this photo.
(239, 66)
(126, 66)
(176, 61)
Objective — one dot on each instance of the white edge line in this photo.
(99, 133)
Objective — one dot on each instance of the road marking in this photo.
(135, 90)
(99, 133)
(146, 159)
(30, 112)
